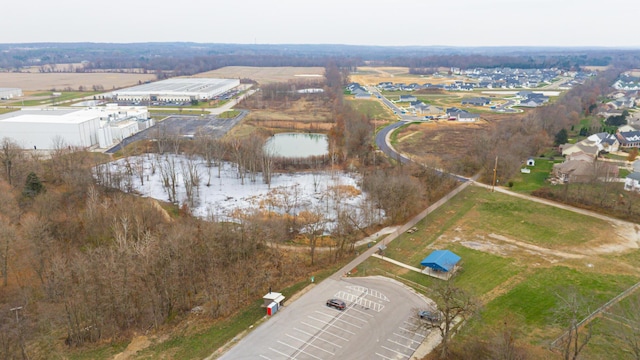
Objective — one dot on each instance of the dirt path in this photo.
(138, 343)
(628, 233)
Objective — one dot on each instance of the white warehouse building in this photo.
(178, 89)
(96, 127)
(10, 93)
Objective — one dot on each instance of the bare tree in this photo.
(504, 343)
(168, 173)
(625, 325)
(571, 308)
(312, 225)
(9, 155)
(455, 305)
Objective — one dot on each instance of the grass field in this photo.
(46, 98)
(373, 109)
(526, 183)
(520, 277)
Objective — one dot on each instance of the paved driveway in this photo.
(378, 323)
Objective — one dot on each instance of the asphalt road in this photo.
(381, 142)
(379, 322)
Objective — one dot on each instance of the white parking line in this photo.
(300, 351)
(324, 331)
(309, 343)
(318, 338)
(377, 294)
(279, 352)
(346, 322)
(361, 312)
(410, 331)
(355, 317)
(343, 315)
(360, 289)
(401, 344)
(408, 338)
(264, 357)
(331, 324)
(384, 357)
(397, 352)
(366, 303)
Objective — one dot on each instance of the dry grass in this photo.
(301, 115)
(60, 81)
(368, 75)
(438, 142)
(265, 75)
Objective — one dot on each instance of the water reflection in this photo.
(298, 145)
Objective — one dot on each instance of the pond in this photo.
(298, 145)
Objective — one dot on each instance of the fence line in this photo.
(602, 308)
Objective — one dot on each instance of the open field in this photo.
(373, 109)
(368, 75)
(441, 143)
(516, 255)
(304, 114)
(536, 179)
(61, 81)
(265, 75)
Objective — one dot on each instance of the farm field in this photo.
(265, 75)
(516, 256)
(61, 81)
(368, 75)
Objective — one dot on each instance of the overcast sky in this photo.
(356, 22)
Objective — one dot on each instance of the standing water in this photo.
(297, 145)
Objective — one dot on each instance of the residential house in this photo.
(476, 101)
(576, 171)
(580, 156)
(629, 127)
(568, 149)
(468, 117)
(628, 139)
(636, 166)
(632, 182)
(604, 141)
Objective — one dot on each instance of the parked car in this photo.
(336, 303)
(431, 316)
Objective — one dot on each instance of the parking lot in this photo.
(379, 322)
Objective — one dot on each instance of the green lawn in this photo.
(373, 109)
(526, 183)
(535, 297)
(66, 98)
(8, 110)
(229, 114)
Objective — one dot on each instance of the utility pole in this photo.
(495, 172)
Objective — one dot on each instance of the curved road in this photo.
(383, 143)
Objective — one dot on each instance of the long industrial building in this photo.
(95, 127)
(178, 89)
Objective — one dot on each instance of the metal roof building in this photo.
(178, 89)
(49, 128)
(441, 260)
